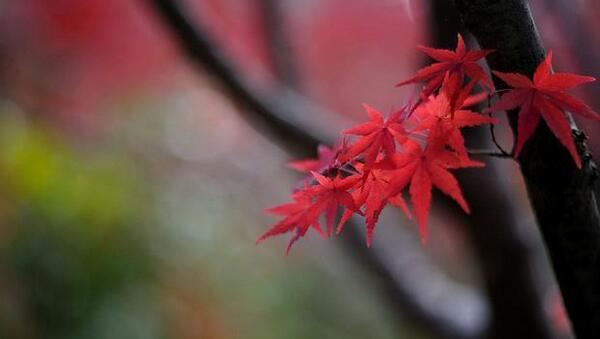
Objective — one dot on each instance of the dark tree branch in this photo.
(278, 42)
(416, 289)
(561, 195)
(289, 127)
(493, 154)
(503, 250)
(457, 324)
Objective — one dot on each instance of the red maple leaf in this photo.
(376, 135)
(373, 194)
(309, 204)
(325, 157)
(332, 193)
(455, 64)
(544, 97)
(300, 215)
(440, 112)
(425, 169)
(327, 164)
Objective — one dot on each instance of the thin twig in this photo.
(489, 154)
(493, 132)
(278, 42)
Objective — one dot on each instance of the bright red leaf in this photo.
(373, 194)
(439, 112)
(376, 135)
(455, 64)
(332, 193)
(426, 169)
(544, 97)
(300, 215)
(310, 203)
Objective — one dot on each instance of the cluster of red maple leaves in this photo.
(416, 147)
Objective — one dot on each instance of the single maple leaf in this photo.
(325, 157)
(358, 196)
(376, 135)
(455, 64)
(309, 204)
(377, 188)
(425, 169)
(300, 215)
(440, 112)
(330, 193)
(544, 97)
(327, 164)
(373, 195)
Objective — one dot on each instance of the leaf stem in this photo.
(493, 132)
(490, 153)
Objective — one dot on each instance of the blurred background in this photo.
(132, 185)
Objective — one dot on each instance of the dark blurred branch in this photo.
(561, 195)
(416, 289)
(503, 250)
(278, 42)
(492, 154)
(203, 51)
(505, 255)
(288, 126)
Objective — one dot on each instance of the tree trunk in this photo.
(561, 195)
(504, 252)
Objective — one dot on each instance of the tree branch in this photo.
(493, 154)
(561, 195)
(290, 126)
(278, 42)
(503, 251)
(281, 118)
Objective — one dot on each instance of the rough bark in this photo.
(561, 195)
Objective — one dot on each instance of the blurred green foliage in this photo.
(98, 244)
(69, 240)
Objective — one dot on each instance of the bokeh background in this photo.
(132, 187)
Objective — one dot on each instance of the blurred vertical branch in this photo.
(278, 42)
(561, 195)
(504, 252)
(280, 119)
